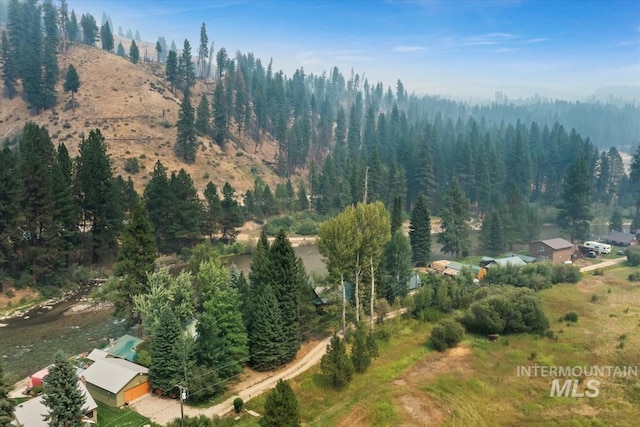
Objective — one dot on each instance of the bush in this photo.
(238, 404)
(571, 316)
(633, 256)
(447, 333)
(132, 166)
(563, 273)
(634, 277)
(307, 228)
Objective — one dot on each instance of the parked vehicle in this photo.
(592, 254)
(602, 248)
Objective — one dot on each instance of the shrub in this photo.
(598, 272)
(82, 275)
(446, 333)
(571, 316)
(10, 293)
(563, 273)
(633, 256)
(635, 277)
(238, 404)
(307, 228)
(594, 298)
(132, 166)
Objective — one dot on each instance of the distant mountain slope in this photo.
(136, 112)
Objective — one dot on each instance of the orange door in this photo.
(136, 392)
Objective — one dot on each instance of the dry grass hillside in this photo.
(136, 112)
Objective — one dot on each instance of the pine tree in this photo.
(106, 37)
(575, 206)
(212, 209)
(455, 229)
(134, 52)
(136, 258)
(265, 330)
(492, 234)
(72, 28)
(9, 71)
(335, 365)
(165, 370)
(62, 396)
(420, 233)
(615, 224)
(9, 208)
(203, 51)
(6, 405)
(138, 38)
(231, 214)
(185, 69)
(186, 212)
(396, 267)
(396, 215)
(158, 51)
(66, 210)
(222, 342)
(49, 60)
(158, 200)
(202, 116)
(173, 75)
(120, 50)
(72, 84)
(281, 408)
(288, 281)
(360, 356)
(41, 251)
(89, 29)
(186, 143)
(30, 54)
(99, 196)
(220, 115)
(634, 178)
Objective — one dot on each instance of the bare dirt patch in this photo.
(19, 296)
(419, 408)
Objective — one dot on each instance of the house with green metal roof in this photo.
(124, 347)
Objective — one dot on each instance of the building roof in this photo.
(526, 258)
(113, 374)
(619, 237)
(557, 243)
(510, 260)
(124, 347)
(97, 354)
(31, 413)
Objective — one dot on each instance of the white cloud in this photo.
(409, 48)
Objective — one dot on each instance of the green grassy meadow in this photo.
(477, 383)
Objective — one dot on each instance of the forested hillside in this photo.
(187, 123)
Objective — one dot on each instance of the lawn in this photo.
(114, 417)
(477, 383)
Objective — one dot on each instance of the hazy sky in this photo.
(560, 49)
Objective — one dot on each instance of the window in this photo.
(540, 248)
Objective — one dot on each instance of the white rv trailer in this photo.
(602, 248)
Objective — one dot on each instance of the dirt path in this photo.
(608, 263)
(162, 409)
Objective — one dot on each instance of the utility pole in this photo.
(183, 396)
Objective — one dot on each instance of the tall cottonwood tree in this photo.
(338, 242)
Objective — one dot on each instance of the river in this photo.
(27, 344)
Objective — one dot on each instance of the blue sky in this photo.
(464, 49)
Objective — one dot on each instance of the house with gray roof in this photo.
(619, 239)
(556, 250)
(116, 382)
(32, 412)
